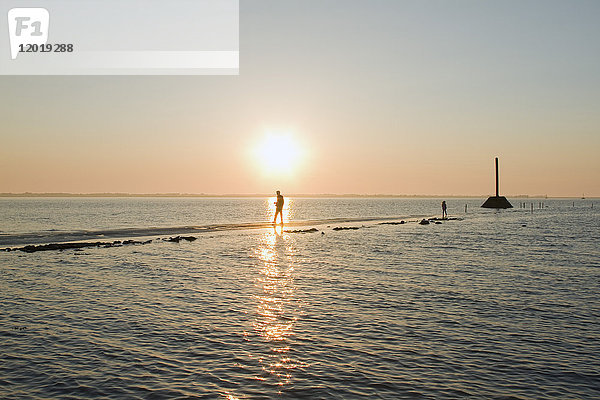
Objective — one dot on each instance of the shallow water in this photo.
(494, 305)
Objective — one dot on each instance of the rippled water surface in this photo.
(492, 305)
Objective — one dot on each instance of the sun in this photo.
(278, 153)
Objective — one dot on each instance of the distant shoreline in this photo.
(258, 195)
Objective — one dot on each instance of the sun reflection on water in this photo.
(276, 282)
(277, 305)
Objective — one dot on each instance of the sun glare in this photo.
(278, 153)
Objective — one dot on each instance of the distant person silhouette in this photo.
(444, 212)
(278, 208)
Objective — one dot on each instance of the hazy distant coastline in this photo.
(255, 195)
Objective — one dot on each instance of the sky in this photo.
(370, 97)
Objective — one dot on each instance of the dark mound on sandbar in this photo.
(76, 246)
(497, 202)
(178, 239)
(311, 230)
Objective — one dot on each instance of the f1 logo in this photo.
(27, 26)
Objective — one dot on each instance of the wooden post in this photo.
(497, 191)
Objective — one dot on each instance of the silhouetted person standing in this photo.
(444, 212)
(278, 208)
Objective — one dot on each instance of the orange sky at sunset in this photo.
(358, 97)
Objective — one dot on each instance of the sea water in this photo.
(493, 304)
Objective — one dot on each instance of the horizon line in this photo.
(262, 195)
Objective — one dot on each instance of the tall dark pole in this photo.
(497, 191)
(497, 201)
